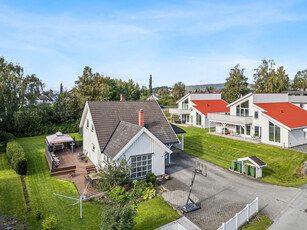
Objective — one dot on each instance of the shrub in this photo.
(144, 190)
(49, 223)
(16, 157)
(151, 178)
(39, 215)
(118, 194)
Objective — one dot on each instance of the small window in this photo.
(92, 127)
(305, 134)
(93, 148)
(198, 119)
(87, 124)
(256, 114)
(248, 130)
(301, 105)
(257, 131)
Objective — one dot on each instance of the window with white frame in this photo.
(92, 127)
(243, 109)
(198, 119)
(257, 131)
(87, 123)
(140, 166)
(305, 134)
(93, 148)
(256, 114)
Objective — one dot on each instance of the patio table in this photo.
(94, 177)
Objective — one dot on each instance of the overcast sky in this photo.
(190, 41)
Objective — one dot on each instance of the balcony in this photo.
(176, 111)
(229, 119)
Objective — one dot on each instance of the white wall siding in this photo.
(296, 137)
(205, 96)
(270, 98)
(145, 145)
(90, 139)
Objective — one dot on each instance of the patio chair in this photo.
(86, 178)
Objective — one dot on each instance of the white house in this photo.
(298, 98)
(153, 97)
(135, 130)
(193, 108)
(42, 98)
(267, 117)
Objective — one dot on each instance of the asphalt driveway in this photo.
(222, 193)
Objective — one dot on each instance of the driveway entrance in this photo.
(222, 193)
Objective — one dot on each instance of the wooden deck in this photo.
(67, 158)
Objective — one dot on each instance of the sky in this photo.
(196, 42)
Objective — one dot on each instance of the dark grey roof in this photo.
(257, 160)
(107, 115)
(177, 130)
(44, 97)
(123, 133)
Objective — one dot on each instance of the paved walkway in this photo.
(295, 215)
(222, 193)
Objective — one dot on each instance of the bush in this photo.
(144, 190)
(49, 223)
(4, 139)
(118, 194)
(16, 157)
(39, 215)
(151, 178)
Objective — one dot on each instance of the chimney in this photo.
(122, 97)
(141, 118)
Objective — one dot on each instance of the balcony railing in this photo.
(229, 119)
(179, 111)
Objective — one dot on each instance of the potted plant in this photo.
(86, 159)
(165, 177)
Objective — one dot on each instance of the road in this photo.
(222, 193)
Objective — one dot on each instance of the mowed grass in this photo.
(154, 213)
(12, 201)
(41, 186)
(283, 164)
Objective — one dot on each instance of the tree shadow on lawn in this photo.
(266, 171)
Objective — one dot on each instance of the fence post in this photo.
(257, 201)
(236, 221)
(223, 225)
(247, 207)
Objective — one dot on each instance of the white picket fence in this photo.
(240, 218)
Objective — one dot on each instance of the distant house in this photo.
(135, 130)
(298, 98)
(267, 117)
(193, 108)
(153, 97)
(42, 98)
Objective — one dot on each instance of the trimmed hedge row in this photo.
(16, 157)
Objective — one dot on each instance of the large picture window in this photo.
(274, 132)
(198, 119)
(243, 109)
(140, 166)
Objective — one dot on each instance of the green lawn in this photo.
(259, 222)
(41, 187)
(12, 201)
(283, 164)
(154, 213)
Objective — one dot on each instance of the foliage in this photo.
(50, 223)
(166, 100)
(4, 139)
(271, 80)
(118, 217)
(15, 91)
(151, 178)
(130, 89)
(39, 215)
(144, 190)
(150, 85)
(16, 157)
(178, 91)
(283, 164)
(114, 174)
(258, 222)
(236, 85)
(300, 80)
(118, 194)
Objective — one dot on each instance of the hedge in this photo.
(16, 157)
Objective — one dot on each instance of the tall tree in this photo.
(236, 85)
(300, 80)
(61, 88)
(91, 86)
(178, 90)
(271, 80)
(15, 91)
(150, 85)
